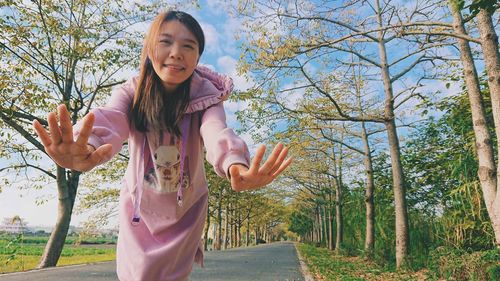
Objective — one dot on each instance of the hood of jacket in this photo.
(208, 88)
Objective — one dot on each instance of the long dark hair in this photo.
(152, 109)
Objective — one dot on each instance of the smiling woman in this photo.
(177, 55)
(170, 55)
(168, 114)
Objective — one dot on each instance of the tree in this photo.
(484, 147)
(489, 45)
(308, 43)
(55, 52)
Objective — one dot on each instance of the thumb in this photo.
(101, 154)
(234, 172)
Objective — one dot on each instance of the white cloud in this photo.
(227, 65)
(211, 38)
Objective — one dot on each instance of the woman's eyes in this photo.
(168, 43)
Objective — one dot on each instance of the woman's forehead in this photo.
(176, 30)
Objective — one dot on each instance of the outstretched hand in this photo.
(243, 178)
(63, 149)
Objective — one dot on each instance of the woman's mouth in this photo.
(174, 67)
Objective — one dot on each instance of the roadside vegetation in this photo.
(20, 253)
(444, 264)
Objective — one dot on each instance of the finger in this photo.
(86, 130)
(283, 167)
(269, 164)
(280, 160)
(254, 168)
(65, 124)
(235, 177)
(55, 133)
(42, 133)
(100, 155)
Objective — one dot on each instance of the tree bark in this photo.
(402, 234)
(67, 188)
(369, 204)
(489, 45)
(321, 226)
(219, 222)
(340, 220)
(248, 232)
(330, 224)
(226, 229)
(207, 228)
(325, 226)
(339, 237)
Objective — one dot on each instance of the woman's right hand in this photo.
(63, 149)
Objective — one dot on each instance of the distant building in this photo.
(14, 225)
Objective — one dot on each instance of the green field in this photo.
(23, 253)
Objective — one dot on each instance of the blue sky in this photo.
(221, 53)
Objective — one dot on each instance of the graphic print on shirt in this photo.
(163, 173)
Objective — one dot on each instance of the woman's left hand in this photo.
(243, 178)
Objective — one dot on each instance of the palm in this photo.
(256, 176)
(63, 149)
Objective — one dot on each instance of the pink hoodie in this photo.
(166, 240)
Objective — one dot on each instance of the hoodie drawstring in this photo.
(138, 190)
(185, 126)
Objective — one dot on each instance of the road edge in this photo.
(303, 267)
(52, 268)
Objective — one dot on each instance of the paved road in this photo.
(277, 261)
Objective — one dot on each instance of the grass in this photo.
(22, 263)
(326, 265)
(24, 254)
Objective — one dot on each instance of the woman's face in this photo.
(176, 54)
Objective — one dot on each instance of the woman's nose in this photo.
(175, 51)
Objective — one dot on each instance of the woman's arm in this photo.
(229, 154)
(94, 139)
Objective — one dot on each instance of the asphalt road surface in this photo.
(277, 261)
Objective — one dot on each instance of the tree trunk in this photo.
(248, 232)
(339, 237)
(219, 222)
(369, 204)
(226, 229)
(402, 234)
(339, 218)
(484, 146)
(232, 226)
(320, 224)
(489, 45)
(207, 228)
(330, 224)
(256, 238)
(264, 233)
(325, 226)
(67, 193)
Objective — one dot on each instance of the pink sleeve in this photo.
(224, 147)
(111, 123)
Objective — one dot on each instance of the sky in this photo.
(221, 54)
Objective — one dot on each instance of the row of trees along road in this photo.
(334, 76)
